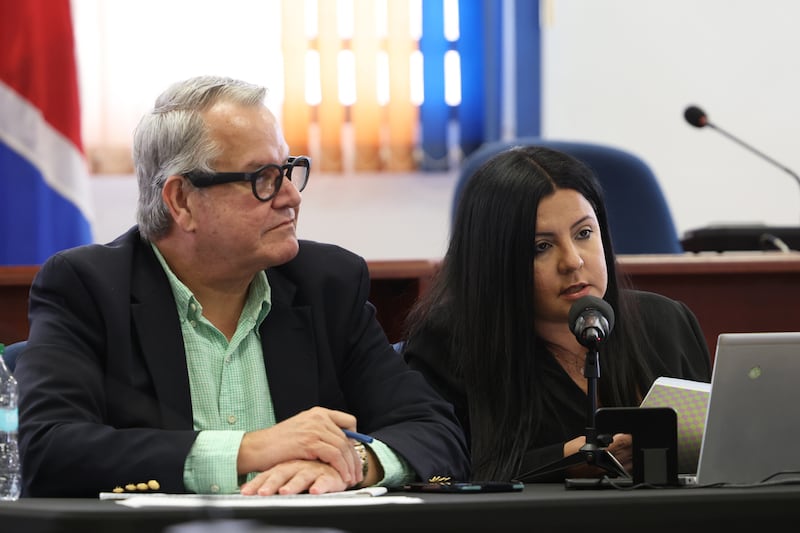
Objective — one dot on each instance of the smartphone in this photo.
(463, 487)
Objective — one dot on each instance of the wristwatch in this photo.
(362, 454)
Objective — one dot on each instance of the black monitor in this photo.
(745, 237)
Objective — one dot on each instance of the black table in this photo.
(539, 508)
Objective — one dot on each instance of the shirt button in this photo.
(193, 323)
(193, 307)
(232, 419)
(227, 359)
(214, 488)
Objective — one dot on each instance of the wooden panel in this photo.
(729, 293)
(15, 283)
(395, 287)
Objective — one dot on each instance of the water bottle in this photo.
(10, 482)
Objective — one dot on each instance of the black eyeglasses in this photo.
(266, 181)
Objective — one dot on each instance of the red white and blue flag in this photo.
(45, 200)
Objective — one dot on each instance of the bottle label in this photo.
(9, 420)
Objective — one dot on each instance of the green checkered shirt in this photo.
(230, 390)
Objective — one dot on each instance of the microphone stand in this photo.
(697, 118)
(595, 451)
(775, 241)
(757, 152)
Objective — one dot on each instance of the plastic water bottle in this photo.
(10, 482)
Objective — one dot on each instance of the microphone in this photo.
(698, 118)
(591, 319)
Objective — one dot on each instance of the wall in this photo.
(620, 72)
(391, 216)
(623, 71)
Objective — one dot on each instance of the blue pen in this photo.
(360, 437)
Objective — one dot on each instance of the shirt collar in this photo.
(256, 307)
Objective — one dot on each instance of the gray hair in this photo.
(173, 139)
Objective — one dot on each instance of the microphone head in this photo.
(589, 312)
(586, 303)
(695, 116)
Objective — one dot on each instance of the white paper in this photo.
(365, 496)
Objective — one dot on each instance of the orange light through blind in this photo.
(296, 112)
(356, 56)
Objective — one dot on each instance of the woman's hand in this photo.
(621, 447)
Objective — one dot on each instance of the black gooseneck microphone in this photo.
(698, 118)
(591, 319)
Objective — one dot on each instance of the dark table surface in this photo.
(539, 507)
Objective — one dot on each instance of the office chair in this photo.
(640, 219)
(11, 353)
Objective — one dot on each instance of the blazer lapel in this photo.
(290, 356)
(156, 325)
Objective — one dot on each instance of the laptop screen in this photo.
(753, 418)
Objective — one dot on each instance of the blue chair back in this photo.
(11, 353)
(638, 213)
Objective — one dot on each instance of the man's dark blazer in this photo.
(104, 387)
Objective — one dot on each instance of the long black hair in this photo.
(485, 288)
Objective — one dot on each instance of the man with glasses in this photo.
(208, 349)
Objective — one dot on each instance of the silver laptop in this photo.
(753, 420)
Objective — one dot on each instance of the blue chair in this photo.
(640, 219)
(11, 353)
